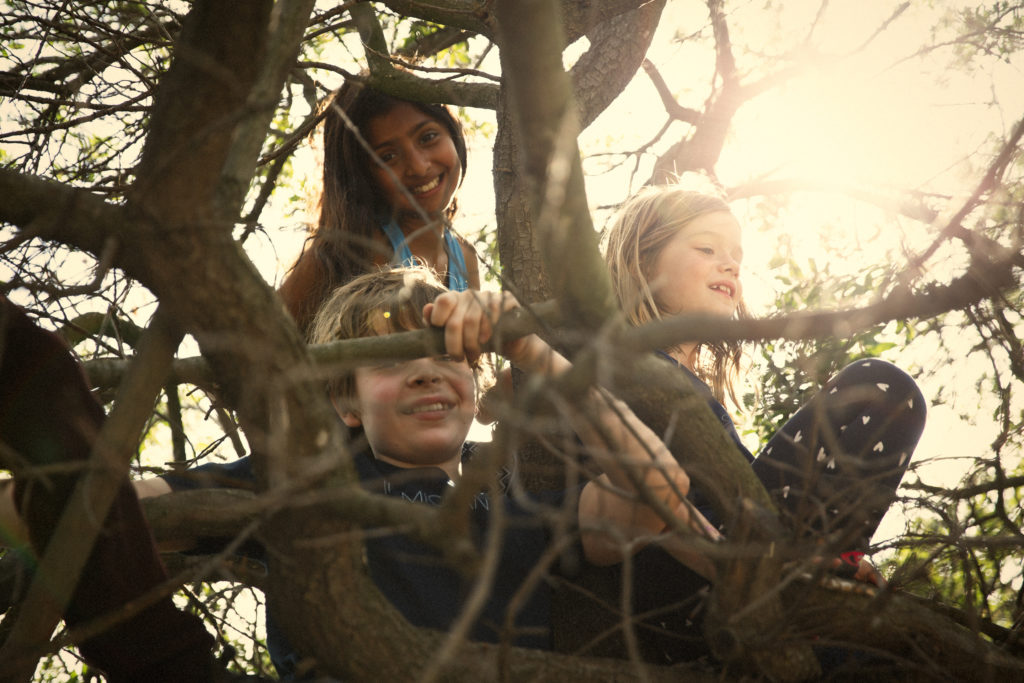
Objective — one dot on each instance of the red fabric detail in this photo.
(852, 557)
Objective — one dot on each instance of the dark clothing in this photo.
(431, 594)
(834, 466)
(413, 576)
(837, 462)
(48, 416)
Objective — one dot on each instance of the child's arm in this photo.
(13, 530)
(613, 513)
(610, 508)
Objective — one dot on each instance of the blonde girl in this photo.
(835, 465)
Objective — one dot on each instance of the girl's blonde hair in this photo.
(640, 230)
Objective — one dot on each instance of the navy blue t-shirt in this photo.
(427, 591)
(413, 576)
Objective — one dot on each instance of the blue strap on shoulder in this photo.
(458, 279)
(457, 276)
(397, 238)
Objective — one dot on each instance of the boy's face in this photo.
(415, 413)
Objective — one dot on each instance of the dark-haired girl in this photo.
(390, 176)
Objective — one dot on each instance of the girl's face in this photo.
(698, 270)
(420, 152)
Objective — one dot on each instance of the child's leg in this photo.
(669, 605)
(835, 465)
(48, 416)
(665, 611)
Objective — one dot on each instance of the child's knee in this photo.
(886, 377)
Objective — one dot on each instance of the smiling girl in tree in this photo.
(389, 204)
(833, 468)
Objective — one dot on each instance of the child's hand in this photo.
(468, 319)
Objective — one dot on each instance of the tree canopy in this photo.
(151, 186)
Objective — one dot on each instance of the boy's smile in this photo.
(415, 413)
(433, 407)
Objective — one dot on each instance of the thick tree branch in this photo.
(221, 514)
(983, 280)
(905, 629)
(540, 94)
(581, 17)
(54, 211)
(578, 17)
(401, 83)
(288, 22)
(199, 106)
(617, 48)
(468, 15)
(72, 541)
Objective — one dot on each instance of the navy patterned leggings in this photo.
(835, 465)
(833, 468)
